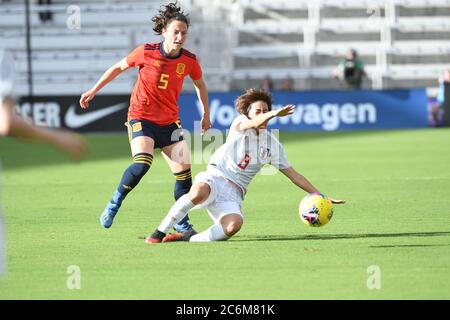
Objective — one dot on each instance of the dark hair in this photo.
(353, 52)
(250, 96)
(167, 14)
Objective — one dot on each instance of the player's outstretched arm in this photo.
(12, 125)
(299, 180)
(303, 183)
(71, 143)
(106, 78)
(262, 119)
(202, 94)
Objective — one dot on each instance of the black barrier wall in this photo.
(107, 114)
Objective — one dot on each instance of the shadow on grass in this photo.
(410, 246)
(345, 236)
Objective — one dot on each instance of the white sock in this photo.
(214, 233)
(176, 213)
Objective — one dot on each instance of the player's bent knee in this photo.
(199, 192)
(231, 229)
(231, 224)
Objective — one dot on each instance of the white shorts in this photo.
(225, 196)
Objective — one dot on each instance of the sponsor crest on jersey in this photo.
(264, 153)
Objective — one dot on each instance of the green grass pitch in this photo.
(397, 184)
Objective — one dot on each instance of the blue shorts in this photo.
(162, 135)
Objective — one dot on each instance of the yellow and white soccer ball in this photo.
(316, 210)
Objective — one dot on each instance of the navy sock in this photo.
(132, 175)
(183, 183)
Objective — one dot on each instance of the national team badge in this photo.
(180, 68)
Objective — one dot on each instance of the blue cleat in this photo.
(107, 216)
(183, 226)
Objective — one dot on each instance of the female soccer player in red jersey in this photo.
(153, 115)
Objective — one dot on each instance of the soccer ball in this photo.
(315, 210)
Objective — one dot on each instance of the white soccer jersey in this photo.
(245, 153)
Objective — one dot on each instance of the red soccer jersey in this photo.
(155, 94)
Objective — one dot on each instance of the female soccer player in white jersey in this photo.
(222, 187)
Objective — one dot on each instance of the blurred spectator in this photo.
(45, 15)
(288, 84)
(350, 70)
(267, 84)
(437, 108)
